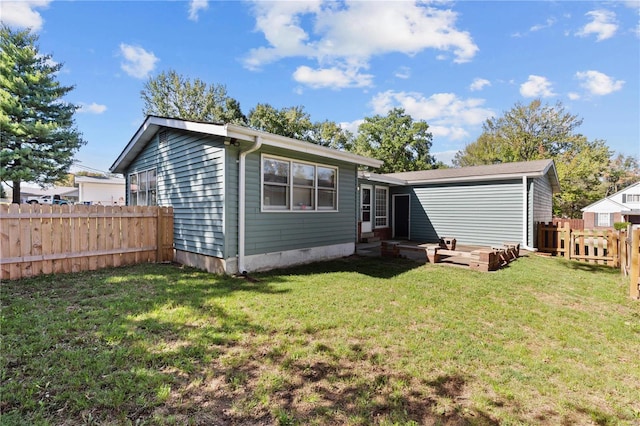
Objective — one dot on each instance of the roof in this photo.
(67, 191)
(152, 124)
(533, 169)
(100, 180)
(608, 198)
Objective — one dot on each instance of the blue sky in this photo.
(452, 64)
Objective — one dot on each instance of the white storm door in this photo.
(365, 208)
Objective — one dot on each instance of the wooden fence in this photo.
(604, 247)
(577, 224)
(44, 239)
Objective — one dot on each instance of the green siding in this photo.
(479, 213)
(541, 206)
(268, 232)
(231, 205)
(191, 179)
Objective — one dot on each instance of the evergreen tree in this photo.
(39, 138)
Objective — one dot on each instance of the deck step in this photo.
(369, 237)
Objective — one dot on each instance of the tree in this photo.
(534, 132)
(402, 143)
(39, 139)
(169, 94)
(622, 172)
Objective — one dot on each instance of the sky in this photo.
(453, 64)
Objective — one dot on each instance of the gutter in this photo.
(242, 202)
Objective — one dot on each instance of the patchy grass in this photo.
(353, 341)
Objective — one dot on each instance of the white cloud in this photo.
(23, 13)
(574, 96)
(195, 6)
(92, 108)
(332, 77)
(138, 62)
(348, 34)
(536, 86)
(445, 156)
(447, 115)
(479, 84)
(603, 25)
(549, 22)
(403, 73)
(598, 83)
(351, 126)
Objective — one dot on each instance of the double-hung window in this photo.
(143, 188)
(290, 185)
(381, 207)
(604, 219)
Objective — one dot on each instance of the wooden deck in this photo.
(480, 258)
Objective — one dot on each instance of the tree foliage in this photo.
(39, 138)
(169, 94)
(622, 172)
(295, 122)
(537, 131)
(402, 143)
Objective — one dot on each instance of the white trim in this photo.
(280, 259)
(525, 213)
(393, 214)
(290, 186)
(371, 215)
(375, 207)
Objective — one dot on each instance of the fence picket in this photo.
(41, 239)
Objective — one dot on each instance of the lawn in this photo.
(354, 341)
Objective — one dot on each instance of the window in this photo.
(604, 219)
(290, 185)
(633, 198)
(381, 207)
(143, 188)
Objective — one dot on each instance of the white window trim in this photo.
(290, 185)
(137, 173)
(635, 198)
(600, 223)
(375, 207)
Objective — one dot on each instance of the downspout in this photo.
(525, 216)
(242, 202)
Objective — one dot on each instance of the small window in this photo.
(604, 219)
(382, 207)
(143, 188)
(296, 186)
(633, 198)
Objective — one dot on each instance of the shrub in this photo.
(618, 226)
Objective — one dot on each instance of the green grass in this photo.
(352, 341)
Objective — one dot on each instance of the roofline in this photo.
(152, 123)
(608, 198)
(381, 178)
(488, 177)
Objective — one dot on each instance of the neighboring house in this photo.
(623, 206)
(102, 190)
(480, 205)
(68, 193)
(244, 200)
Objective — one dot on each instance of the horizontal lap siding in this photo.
(190, 173)
(270, 232)
(479, 213)
(541, 196)
(231, 206)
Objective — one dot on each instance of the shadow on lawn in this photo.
(376, 267)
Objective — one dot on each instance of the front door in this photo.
(365, 208)
(401, 216)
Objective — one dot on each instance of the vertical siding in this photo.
(190, 173)
(479, 213)
(541, 206)
(268, 232)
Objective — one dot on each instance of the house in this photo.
(244, 200)
(479, 205)
(102, 190)
(623, 206)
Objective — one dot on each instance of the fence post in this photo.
(160, 235)
(623, 252)
(615, 240)
(634, 290)
(567, 240)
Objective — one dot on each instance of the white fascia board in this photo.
(374, 177)
(277, 141)
(475, 178)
